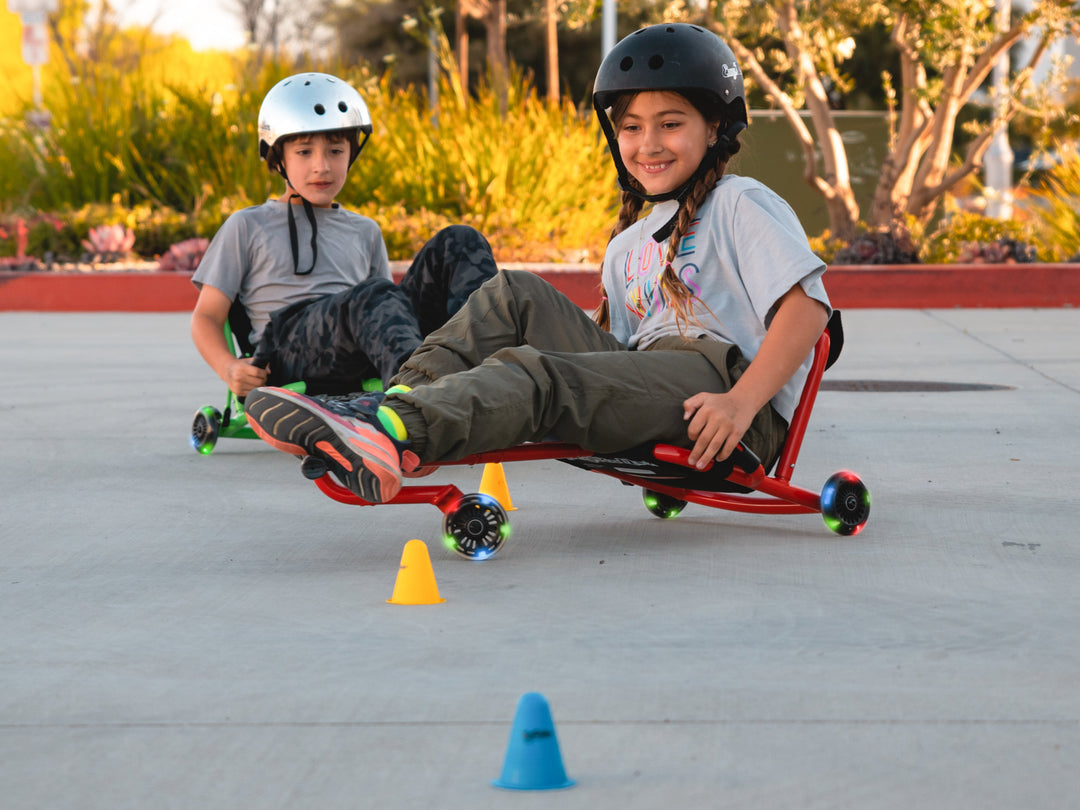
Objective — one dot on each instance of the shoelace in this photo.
(365, 406)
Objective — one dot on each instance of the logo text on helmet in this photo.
(730, 72)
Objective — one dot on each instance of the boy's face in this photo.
(316, 167)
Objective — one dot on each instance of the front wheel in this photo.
(663, 506)
(205, 429)
(476, 527)
(845, 503)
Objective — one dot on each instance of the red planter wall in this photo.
(916, 286)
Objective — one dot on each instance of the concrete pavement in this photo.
(182, 631)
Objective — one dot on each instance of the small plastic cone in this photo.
(493, 483)
(415, 583)
(533, 760)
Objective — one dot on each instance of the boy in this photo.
(317, 288)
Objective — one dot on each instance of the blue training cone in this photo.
(533, 761)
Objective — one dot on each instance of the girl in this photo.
(712, 304)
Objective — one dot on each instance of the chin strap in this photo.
(722, 146)
(294, 239)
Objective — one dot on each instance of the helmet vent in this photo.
(656, 61)
(626, 63)
(341, 105)
(320, 109)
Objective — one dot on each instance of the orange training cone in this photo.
(493, 483)
(415, 583)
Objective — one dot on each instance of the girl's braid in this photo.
(628, 215)
(677, 293)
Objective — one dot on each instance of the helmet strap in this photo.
(722, 145)
(294, 239)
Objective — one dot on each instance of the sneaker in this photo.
(354, 447)
(355, 406)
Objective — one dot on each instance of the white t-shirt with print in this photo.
(743, 252)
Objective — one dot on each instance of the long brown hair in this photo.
(676, 293)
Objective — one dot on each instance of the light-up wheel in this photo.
(205, 429)
(845, 503)
(663, 506)
(476, 527)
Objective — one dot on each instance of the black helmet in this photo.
(670, 56)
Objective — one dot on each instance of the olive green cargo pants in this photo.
(521, 362)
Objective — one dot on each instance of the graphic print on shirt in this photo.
(641, 273)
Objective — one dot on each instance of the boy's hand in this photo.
(717, 423)
(242, 376)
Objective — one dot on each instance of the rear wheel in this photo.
(845, 503)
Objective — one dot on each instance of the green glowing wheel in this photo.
(205, 429)
(663, 506)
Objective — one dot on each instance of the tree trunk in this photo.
(835, 187)
(916, 173)
(551, 50)
(462, 44)
(496, 49)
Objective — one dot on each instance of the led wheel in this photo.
(476, 527)
(205, 429)
(845, 503)
(663, 506)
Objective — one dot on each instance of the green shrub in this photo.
(1056, 208)
(954, 237)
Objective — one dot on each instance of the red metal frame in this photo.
(773, 494)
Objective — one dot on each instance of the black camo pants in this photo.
(335, 342)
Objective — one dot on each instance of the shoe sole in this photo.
(361, 457)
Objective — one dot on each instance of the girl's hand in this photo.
(242, 376)
(717, 423)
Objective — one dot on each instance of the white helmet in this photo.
(312, 102)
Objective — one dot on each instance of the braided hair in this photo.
(674, 291)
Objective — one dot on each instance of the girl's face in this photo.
(316, 166)
(662, 140)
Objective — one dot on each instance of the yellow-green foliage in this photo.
(535, 178)
(1057, 205)
(536, 174)
(959, 228)
(16, 77)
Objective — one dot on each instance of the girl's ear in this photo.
(711, 133)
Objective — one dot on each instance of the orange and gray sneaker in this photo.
(356, 448)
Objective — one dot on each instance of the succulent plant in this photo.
(183, 256)
(109, 243)
(1000, 251)
(880, 247)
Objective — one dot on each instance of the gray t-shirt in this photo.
(741, 254)
(250, 257)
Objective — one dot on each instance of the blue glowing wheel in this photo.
(663, 506)
(205, 429)
(845, 503)
(476, 527)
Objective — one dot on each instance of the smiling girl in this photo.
(712, 302)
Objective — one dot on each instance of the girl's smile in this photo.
(662, 140)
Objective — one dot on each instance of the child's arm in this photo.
(208, 332)
(718, 421)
